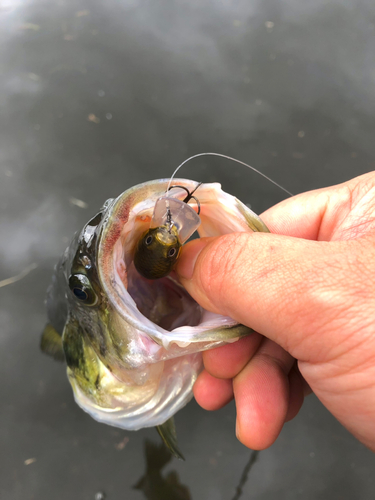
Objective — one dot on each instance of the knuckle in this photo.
(351, 209)
(281, 364)
(223, 265)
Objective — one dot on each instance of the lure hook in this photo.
(188, 197)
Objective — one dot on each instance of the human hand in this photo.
(309, 290)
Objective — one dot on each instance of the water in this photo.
(98, 96)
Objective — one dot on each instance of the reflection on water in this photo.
(153, 484)
(99, 495)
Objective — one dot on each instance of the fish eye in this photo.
(80, 293)
(148, 240)
(81, 288)
(172, 252)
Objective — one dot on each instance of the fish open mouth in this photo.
(162, 308)
(163, 301)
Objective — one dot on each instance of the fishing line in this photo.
(173, 222)
(232, 159)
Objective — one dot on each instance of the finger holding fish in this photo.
(313, 298)
(260, 375)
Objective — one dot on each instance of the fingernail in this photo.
(189, 256)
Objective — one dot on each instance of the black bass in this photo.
(133, 345)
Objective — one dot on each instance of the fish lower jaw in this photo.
(132, 412)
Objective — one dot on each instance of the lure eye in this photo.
(81, 288)
(148, 240)
(172, 252)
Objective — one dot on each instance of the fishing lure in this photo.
(172, 224)
(159, 247)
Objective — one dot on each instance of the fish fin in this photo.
(51, 343)
(167, 432)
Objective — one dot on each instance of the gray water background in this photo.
(96, 96)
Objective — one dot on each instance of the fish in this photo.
(132, 345)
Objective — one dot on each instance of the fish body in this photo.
(133, 345)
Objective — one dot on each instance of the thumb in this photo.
(301, 294)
